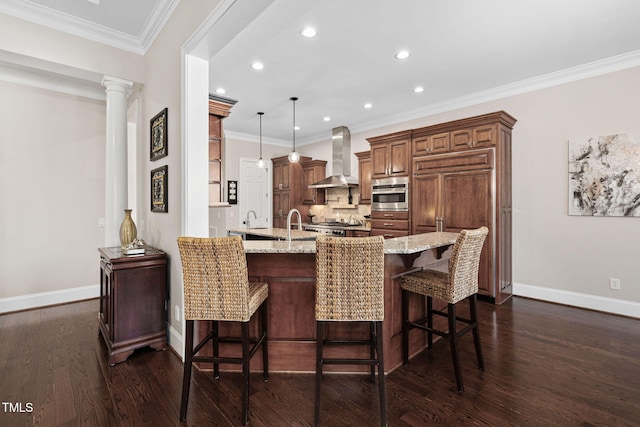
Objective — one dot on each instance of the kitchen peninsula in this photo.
(271, 234)
(289, 269)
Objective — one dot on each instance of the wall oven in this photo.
(390, 194)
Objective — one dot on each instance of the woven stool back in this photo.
(350, 278)
(216, 283)
(465, 263)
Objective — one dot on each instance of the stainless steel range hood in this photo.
(341, 161)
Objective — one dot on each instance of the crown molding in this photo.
(51, 81)
(63, 22)
(581, 72)
(240, 136)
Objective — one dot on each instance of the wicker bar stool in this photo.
(350, 288)
(216, 288)
(461, 282)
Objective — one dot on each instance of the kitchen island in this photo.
(271, 234)
(289, 269)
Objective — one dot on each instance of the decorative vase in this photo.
(128, 230)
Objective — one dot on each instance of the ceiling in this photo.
(460, 51)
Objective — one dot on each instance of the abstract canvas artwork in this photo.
(604, 176)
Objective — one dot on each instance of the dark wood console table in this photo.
(133, 294)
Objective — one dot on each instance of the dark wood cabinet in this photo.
(219, 108)
(439, 208)
(133, 298)
(469, 187)
(425, 144)
(312, 172)
(461, 178)
(391, 155)
(288, 188)
(358, 233)
(364, 177)
(389, 224)
(281, 207)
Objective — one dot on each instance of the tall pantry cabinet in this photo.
(462, 180)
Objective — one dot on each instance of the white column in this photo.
(116, 157)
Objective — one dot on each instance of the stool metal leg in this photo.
(216, 349)
(430, 322)
(372, 348)
(453, 341)
(245, 373)
(265, 346)
(381, 378)
(186, 379)
(473, 300)
(405, 327)
(319, 356)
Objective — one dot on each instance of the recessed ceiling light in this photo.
(296, 128)
(418, 89)
(403, 54)
(257, 65)
(221, 91)
(327, 119)
(368, 105)
(308, 32)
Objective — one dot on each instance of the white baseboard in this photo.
(175, 341)
(592, 302)
(26, 302)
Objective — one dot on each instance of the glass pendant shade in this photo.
(260, 163)
(293, 155)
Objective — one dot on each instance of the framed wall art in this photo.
(160, 189)
(158, 131)
(604, 176)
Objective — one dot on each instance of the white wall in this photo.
(52, 167)
(65, 53)
(557, 257)
(163, 89)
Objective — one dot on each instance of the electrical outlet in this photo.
(614, 284)
(177, 313)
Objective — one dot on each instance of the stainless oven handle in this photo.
(388, 190)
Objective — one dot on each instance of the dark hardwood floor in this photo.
(546, 365)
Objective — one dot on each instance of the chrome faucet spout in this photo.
(248, 220)
(289, 215)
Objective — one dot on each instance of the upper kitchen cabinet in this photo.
(424, 143)
(219, 108)
(364, 177)
(482, 136)
(312, 172)
(288, 188)
(390, 155)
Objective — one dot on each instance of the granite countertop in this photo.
(399, 245)
(276, 233)
(340, 227)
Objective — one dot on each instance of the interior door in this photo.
(254, 193)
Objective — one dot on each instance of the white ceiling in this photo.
(461, 50)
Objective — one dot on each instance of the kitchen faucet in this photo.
(248, 220)
(289, 215)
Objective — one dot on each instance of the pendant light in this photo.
(260, 163)
(294, 156)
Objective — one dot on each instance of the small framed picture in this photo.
(160, 189)
(232, 192)
(158, 132)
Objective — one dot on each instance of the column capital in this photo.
(114, 83)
